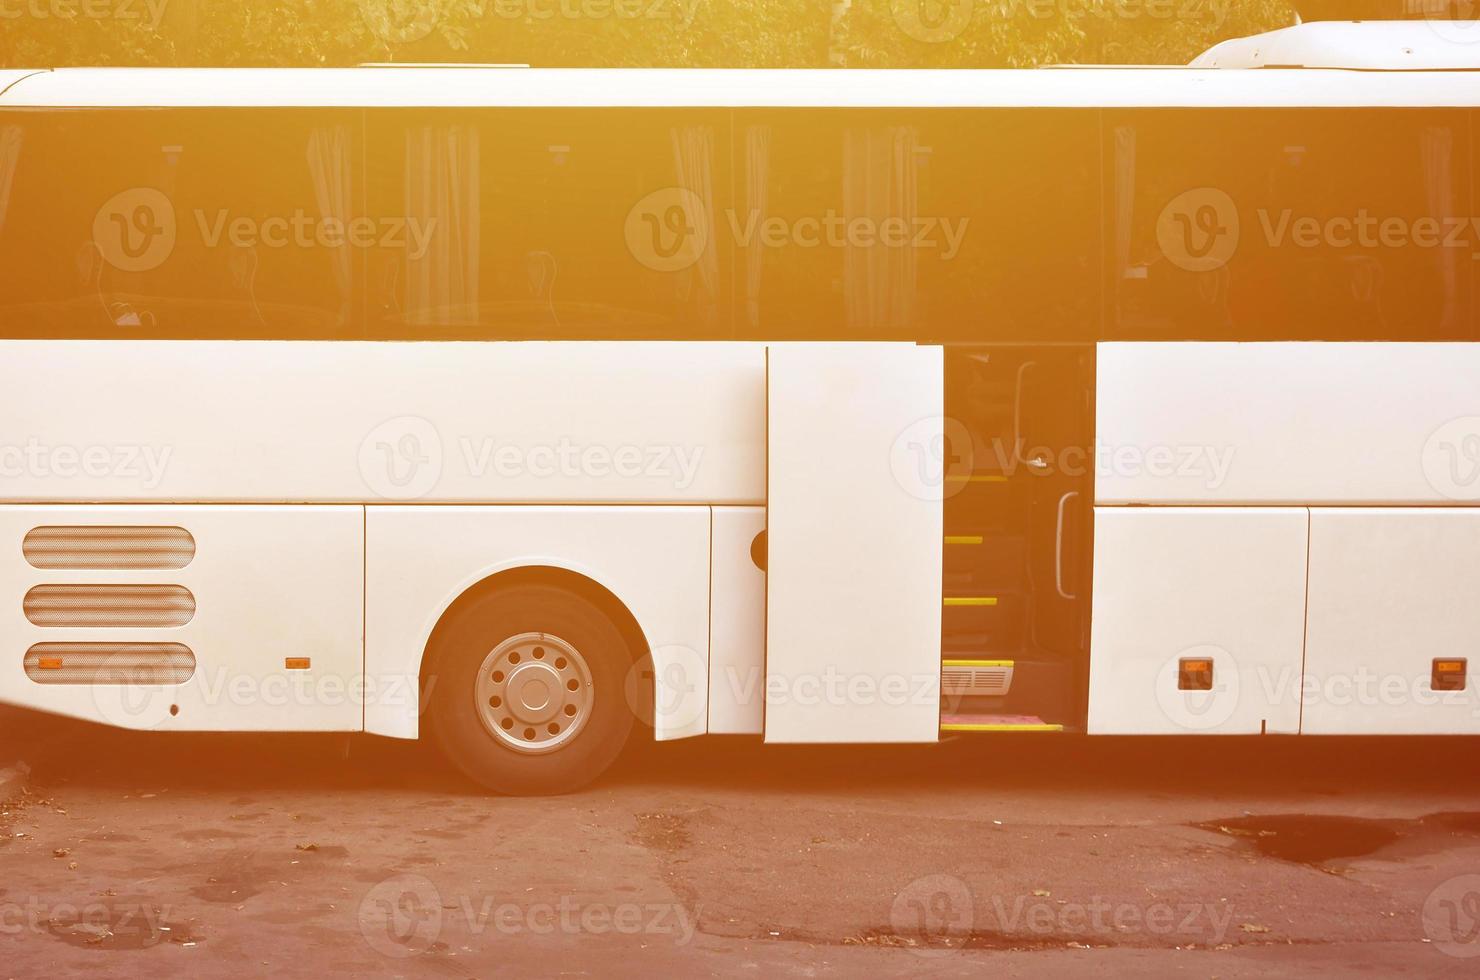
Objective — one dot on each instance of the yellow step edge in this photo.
(964, 539)
(977, 663)
(962, 727)
(970, 600)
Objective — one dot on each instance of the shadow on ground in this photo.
(60, 750)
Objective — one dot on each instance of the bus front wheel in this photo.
(526, 691)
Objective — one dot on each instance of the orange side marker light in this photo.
(1449, 674)
(1195, 674)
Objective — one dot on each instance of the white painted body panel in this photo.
(859, 88)
(655, 560)
(1297, 423)
(1225, 583)
(1390, 591)
(269, 583)
(853, 596)
(368, 422)
(737, 625)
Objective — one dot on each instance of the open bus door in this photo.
(855, 455)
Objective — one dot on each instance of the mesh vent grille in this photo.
(109, 547)
(110, 663)
(110, 605)
(976, 681)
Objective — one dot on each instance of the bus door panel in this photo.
(855, 456)
(1393, 622)
(1198, 621)
(1052, 433)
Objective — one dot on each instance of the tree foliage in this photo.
(626, 33)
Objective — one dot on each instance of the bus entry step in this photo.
(996, 723)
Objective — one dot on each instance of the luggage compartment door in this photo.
(1392, 601)
(1180, 586)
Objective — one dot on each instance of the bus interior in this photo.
(1017, 485)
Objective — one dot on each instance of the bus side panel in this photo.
(1391, 592)
(655, 560)
(1175, 584)
(1287, 423)
(270, 612)
(334, 422)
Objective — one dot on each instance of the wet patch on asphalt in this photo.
(110, 837)
(245, 876)
(1004, 941)
(229, 889)
(976, 939)
(1321, 840)
(210, 834)
(119, 925)
(1466, 824)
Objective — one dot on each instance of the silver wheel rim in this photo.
(534, 693)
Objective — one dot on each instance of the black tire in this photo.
(465, 640)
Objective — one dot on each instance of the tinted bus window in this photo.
(551, 223)
(1290, 224)
(939, 224)
(178, 223)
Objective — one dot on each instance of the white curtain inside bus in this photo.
(693, 157)
(331, 161)
(1125, 210)
(757, 199)
(880, 190)
(442, 193)
(1437, 147)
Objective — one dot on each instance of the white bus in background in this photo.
(515, 405)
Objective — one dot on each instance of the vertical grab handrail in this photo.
(1058, 554)
(1017, 412)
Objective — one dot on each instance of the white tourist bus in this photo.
(514, 405)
